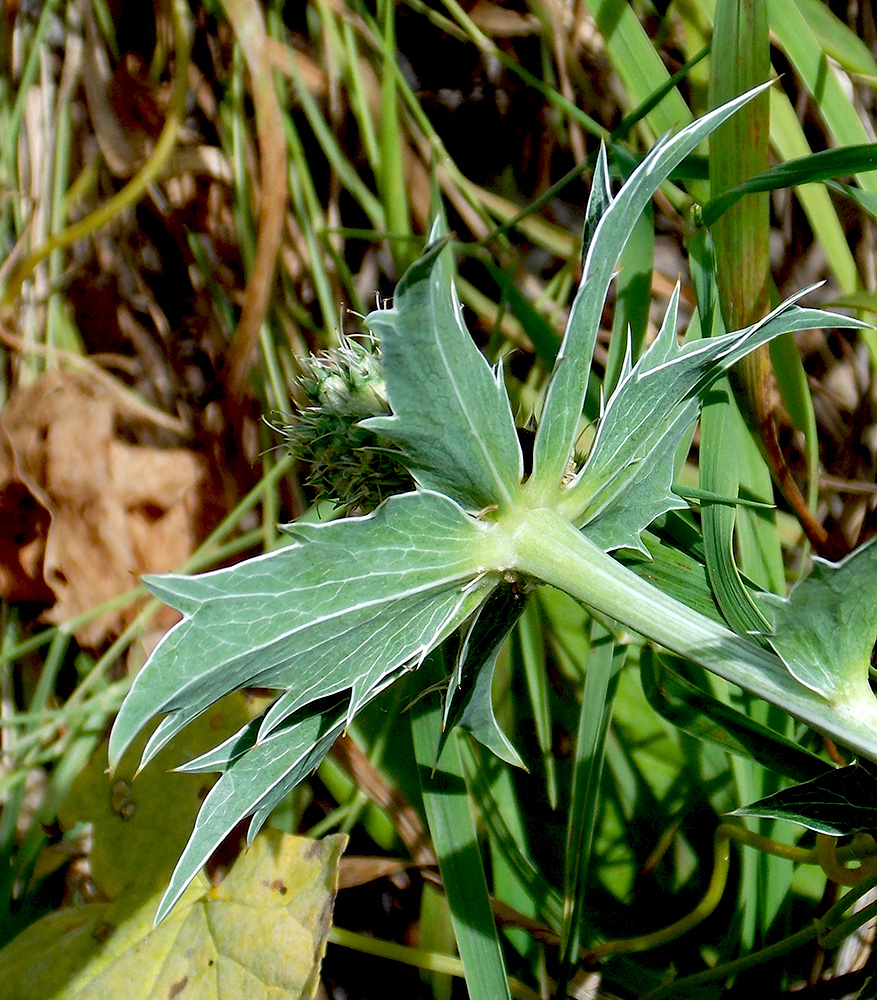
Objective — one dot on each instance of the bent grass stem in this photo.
(826, 854)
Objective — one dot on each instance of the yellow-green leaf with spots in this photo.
(140, 825)
(259, 935)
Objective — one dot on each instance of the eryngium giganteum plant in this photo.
(351, 605)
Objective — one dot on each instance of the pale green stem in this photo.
(548, 548)
(428, 961)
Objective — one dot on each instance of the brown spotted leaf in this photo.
(259, 935)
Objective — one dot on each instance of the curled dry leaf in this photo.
(84, 512)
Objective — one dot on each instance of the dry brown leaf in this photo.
(497, 21)
(357, 870)
(85, 512)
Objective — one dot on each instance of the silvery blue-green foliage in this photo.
(360, 597)
(625, 482)
(824, 630)
(468, 702)
(453, 418)
(343, 610)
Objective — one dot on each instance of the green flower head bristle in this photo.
(347, 463)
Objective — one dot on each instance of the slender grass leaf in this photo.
(719, 465)
(451, 413)
(454, 836)
(601, 680)
(637, 62)
(861, 300)
(500, 807)
(543, 336)
(644, 109)
(529, 656)
(738, 150)
(796, 37)
(792, 382)
(822, 166)
(691, 708)
(788, 139)
(864, 199)
(391, 169)
(837, 39)
(696, 494)
(856, 300)
(335, 154)
(721, 422)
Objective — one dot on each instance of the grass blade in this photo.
(604, 662)
(446, 801)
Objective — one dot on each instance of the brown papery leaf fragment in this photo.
(85, 512)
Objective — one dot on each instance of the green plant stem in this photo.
(428, 961)
(711, 899)
(549, 548)
(725, 835)
(833, 927)
(731, 969)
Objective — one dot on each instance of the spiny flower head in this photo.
(347, 463)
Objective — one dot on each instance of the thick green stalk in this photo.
(549, 548)
(738, 151)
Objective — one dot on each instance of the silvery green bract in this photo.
(333, 618)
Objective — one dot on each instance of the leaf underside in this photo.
(824, 630)
(342, 606)
(451, 413)
(469, 700)
(626, 481)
